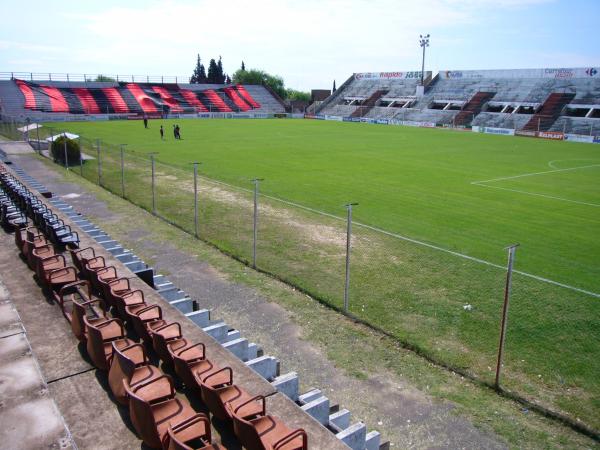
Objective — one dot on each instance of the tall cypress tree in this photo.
(196, 74)
(221, 75)
(334, 88)
(243, 67)
(213, 73)
(202, 76)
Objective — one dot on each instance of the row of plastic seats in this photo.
(105, 313)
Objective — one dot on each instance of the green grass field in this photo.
(416, 182)
(469, 193)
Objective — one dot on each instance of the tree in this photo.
(199, 75)
(292, 94)
(58, 151)
(104, 78)
(243, 68)
(220, 74)
(254, 76)
(213, 73)
(228, 80)
(334, 88)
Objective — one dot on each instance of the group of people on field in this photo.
(176, 130)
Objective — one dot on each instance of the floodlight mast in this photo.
(423, 42)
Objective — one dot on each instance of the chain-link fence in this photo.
(444, 305)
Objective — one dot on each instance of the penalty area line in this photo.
(534, 173)
(538, 195)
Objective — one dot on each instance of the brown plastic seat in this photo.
(151, 420)
(166, 338)
(100, 339)
(217, 390)
(189, 435)
(41, 252)
(265, 432)
(92, 265)
(58, 278)
(82, 304)
(21, 236)
(122, 299)
(32, 241)
(145, 318)
(132, 365)
(80, 257)
(46, 265)
(120, 285)
(190, 362)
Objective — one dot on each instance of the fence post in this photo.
(122, 171)
(255, 227)
(196, 198)
(592, 129)
(80, 158)
(507, 288)
(66, 155)
(37, 130)
(153, 192)
(348, 242)
(538, 127)
(99, 163)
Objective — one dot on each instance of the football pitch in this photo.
(436, 209)
(466, 192)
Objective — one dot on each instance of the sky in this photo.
(309, 43)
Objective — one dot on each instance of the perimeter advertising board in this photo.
(579, 138)
(414, 75)
(552, 73)
(554, 135)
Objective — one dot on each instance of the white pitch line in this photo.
(534, 173)
(414, 241)
(539, 195)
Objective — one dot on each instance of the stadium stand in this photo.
(136, 347)
(528, 99)
(131, 98)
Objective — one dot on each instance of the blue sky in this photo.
(310, 43)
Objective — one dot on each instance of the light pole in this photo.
(423, 42)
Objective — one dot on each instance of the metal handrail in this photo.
(91, 77)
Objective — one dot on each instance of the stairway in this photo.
(549, 112)
(472, 108)
(368, 104)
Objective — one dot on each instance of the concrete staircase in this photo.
(549, 112)
(472, 108)
(369, 103)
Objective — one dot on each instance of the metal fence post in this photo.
(507, 288)
(196, 198)
(66, 155)
(122, 171)
(99, 163)
(348, 242)
(255, 237)
(80, 159)
(153, 191)
(37, 130)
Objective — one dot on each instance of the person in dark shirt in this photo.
(162, 133)
(174, 132)
(178, 131)
(145, 121)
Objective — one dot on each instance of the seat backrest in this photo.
(246, 432)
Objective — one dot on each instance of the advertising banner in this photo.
(382, 121)
(334, 118)
(526, 133)
(579, 138)
(475, 129)
(596, 139)
(554, 135)
(414, 75)
(553, 73)
(503, 131)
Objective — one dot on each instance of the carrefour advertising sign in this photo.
(559, 73)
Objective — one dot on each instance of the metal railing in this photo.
(92, 78)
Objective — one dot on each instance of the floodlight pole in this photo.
(348, 245)
(256, 182)
(509, 269)
(423, 42)
(123, 171)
